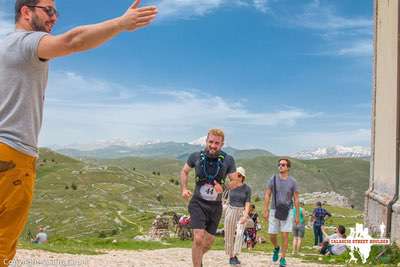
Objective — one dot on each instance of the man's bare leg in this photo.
(294, 251)
(285, 243)
(273, 239)
(198, 246)
(208, 241)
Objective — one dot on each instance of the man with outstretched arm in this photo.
(212, 166)
(24, 57)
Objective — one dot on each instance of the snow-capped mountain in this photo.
(101, 144)
(334, 152)
(200, 141)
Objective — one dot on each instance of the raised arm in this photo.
(184, 177)
(90, 36)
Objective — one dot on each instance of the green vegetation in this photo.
(92, 205)
(348, 177)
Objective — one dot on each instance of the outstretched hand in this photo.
(137, 17)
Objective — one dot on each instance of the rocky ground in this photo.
(174, 257)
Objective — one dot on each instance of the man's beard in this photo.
(212, 155)
(37, 25)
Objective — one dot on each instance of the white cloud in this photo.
(343, 36)
(190, 8)
(357, 48)
(78, 106)
(261, 5)
(324, 17)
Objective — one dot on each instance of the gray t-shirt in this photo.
(240, 195)
(206, 191)
(285, 189)
(23, 79)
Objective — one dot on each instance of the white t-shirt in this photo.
(41, 237)
(337, 249)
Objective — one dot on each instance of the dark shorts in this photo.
(205, 214)
(299, 230)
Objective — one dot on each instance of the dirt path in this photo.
(174, 257)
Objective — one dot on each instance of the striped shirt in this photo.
(319, 215)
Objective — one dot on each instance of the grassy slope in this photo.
(119, 198)
(107, 201)
(348, 177)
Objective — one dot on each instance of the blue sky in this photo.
(283, 75)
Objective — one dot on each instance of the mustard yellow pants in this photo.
(17, 177)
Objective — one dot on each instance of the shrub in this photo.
(74, 186)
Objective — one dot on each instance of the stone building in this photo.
(382, 203)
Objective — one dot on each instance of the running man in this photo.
(211, 166)
(283, 190)
(24, 57)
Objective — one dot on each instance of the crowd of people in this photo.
(215, 196)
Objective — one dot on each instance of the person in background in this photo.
(318, 220)
(336, 249)
(41, 237)
(298, 229)
(238, 211)
(250, 232)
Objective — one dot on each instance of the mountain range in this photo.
(118, 148)
(170, 150)
(334, 152)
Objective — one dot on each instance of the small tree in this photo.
(74, 186)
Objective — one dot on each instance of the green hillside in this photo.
(120, 197)
(348, 177)
(81, 199)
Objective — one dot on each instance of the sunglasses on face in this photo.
(282, 165)
(50, 11)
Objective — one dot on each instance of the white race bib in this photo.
(207, 192)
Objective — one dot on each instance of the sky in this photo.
(281, 75)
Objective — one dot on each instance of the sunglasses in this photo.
(282, 165)
(50, 11)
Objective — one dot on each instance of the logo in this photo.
(360, 241)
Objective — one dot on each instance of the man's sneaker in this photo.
(282, 262)
(275, 255)
(237, 260)
(234, 261)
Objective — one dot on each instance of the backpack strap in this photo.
(274, 190)
(207, 177)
